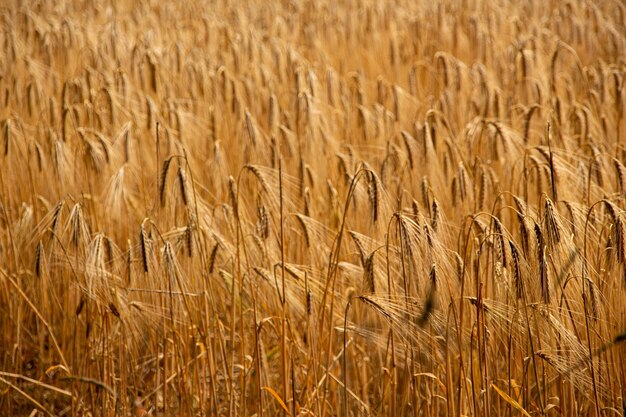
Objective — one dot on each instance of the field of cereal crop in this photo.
(312, 208)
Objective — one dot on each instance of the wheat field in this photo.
(312, 208)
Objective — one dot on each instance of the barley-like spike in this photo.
(262, 226)
(459, 266)
(360, 247)
(143, 245)
(108, 249)
(429, 304)
(189, 241)
(483, 189)
(39, 260)
(408, 143)
(517, 272)
(7, 137)
(621, 235)
(499, 232)
(129, 263)
(429, 238)
(263, 273)
(368, 273)
(302, 172)
(81, 304)
(454, 192)
(551, 225)
(307, 238)
(257, 172)
(543, 267)
(572, 214)
(232, 192)
(114, 310)
(170, 262)
(436, 215)
(153, 74)
(56, 216)
(415, 208)
(396, 102)
(250, 128)
(213, 125)
(149, 112)
(596, 171)
(39, 156)
(307, 202)
(272, 112)
(163, 181)
(105, 148)
(433, 275)
(425, 192)
(523, 228)
(618, 231)
(377, 307)
(553, 172)
(213, 257)
(293, 271)
(521, 205)
(461, 183)
(405, 239)
(527, 119)
(309, 302)
(621, 176)
(77, 223)
(182, 182)
(373, 193)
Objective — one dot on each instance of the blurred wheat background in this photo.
(312, 208)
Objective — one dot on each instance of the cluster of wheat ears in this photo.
(313, 208)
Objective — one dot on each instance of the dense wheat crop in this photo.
(312, 208)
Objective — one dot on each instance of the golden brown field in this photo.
(313, 208)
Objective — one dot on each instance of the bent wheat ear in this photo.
(307, 238)
(543, 267)
(429, 304)
(189, 240)
(39, 260)
(129, 263)
(182, 182)
(425, 192)
(262, 226)
(263, 273)
(619, 233)
(501, 247)
(592, 298)
(459, 266)
(523, 231)
(517, 272)
(482, 189)
(415, 209)
(213, 257)
(621, 176)
(7, 137)
(435, 215)
(250, 128)
(232, 193)
(163, 181)
(78, 227)
(143, 246)
(551, 224)
(374, 195)
(368, 273)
